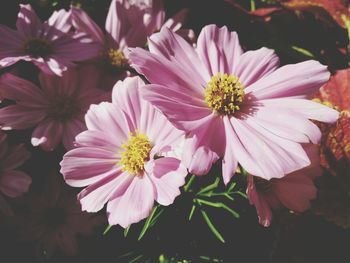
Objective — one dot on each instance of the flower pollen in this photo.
(117, 58)
(136, 152)
(37, 47)
(224, 94)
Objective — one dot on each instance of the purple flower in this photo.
(49, 45)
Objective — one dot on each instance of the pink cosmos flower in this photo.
(55, 110)
(120, 158)
(48, 45)
(128, 24)
(294, 191)
(236, 106)
(13, 183)
(52, 220)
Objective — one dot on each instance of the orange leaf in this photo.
(337, 9)
(335, 154)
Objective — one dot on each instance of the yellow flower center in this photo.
(136, 153)
(224, 94)
(117, 58)
(37, 47)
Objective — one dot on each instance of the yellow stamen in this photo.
(136, 153)
(224, 94)
(117, 58)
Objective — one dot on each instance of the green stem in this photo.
(252, 5)
(189, 183)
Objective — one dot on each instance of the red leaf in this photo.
(337, 9)
(335, 154)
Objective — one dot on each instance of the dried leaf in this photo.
(337, 9)
(335, 145)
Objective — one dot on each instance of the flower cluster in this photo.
(140, 105)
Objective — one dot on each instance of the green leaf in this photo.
(155, 218)
(210, 259)
(126, 231)
(147, 223)
(212, 227)
(232, 186)
(241, 194)
(229, 197)
(107, 229)
(303, 51)
(210, 187)
(136, 259)
(192, 212)
(188, 184)
(218, 205)
(252, 5)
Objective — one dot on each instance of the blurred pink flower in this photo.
(49, 45)
(52, 219)
(294, 191)
(13, 183)
(128, 24)
(121, 157)
(56, 109)
(233, 105)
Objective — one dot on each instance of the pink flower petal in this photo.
(185, 112)
(125, 94)
(142, 115)
(22, 91)
(51, 66)
(10, 44)
(200, 159)
(219, 49)
(77, 47)
(169, 73)
(254, 65)
(307, 108)
(70, 131)
(82, 22)
(295, 191)
(173, 47)
(95, 196)
(134, 205)
(153, 14)
(60, 20)
(263, 154)
(300, 79)
(204, 147)
(229, 162)
(28, 23)
(87, 165)
(261, 205)
(14, 183)
(107, 117)
(20, 117)
(168, 175)
(286, 124)
(175, 22)
(47, 135)
(116, 20)
(16, 157)
(96, 139)
(9, 59)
